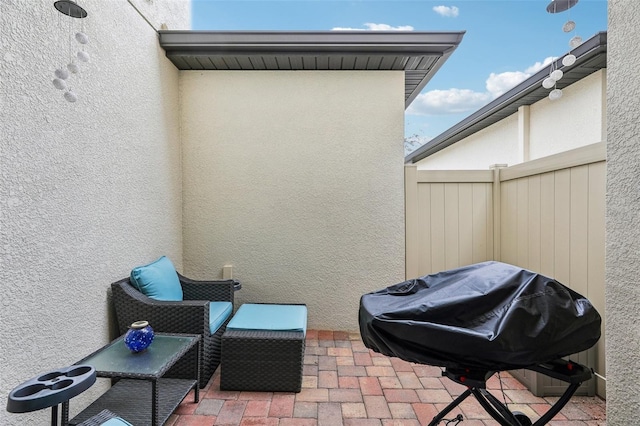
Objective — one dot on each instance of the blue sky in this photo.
(505, 42)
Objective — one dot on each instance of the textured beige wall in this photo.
(87, 190)
(576, 119)
(296, 179)
(622, 218)
(497, 144)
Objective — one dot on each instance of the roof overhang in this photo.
(591, 56)
(418, 54)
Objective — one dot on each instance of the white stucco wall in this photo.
(295, 179)
(576, 119)
(497, 144)
(87, 190)
(622, 218)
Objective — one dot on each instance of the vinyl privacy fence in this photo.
(546, 215)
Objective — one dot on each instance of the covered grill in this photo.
(481, 319)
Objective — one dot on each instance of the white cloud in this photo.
(369, 26)
(456, 101)
(448, 11)
(539, 65)
(452, 101)
(497, 84)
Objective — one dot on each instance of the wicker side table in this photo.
(263, 360)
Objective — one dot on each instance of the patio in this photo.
(345, 383)
(303, 197)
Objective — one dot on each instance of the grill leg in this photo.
(555, 408)
(495, 408)
(450, 407)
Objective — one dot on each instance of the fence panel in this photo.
(450, 223)
(550, 220)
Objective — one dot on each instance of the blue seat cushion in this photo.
(218, 314)
(157, 280)
(271, 317)
(116, 421)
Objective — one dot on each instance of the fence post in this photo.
(411, 221)
(496, 210)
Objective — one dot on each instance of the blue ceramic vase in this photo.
(139, 336)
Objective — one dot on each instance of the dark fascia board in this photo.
(526, 93)
(247, 42)
(326, 43)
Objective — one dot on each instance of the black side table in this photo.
(50, 389)
(141, 395)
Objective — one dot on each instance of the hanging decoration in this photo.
(555, 74)
(64, 74)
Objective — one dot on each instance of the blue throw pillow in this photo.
(157, 280)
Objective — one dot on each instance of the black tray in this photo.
(50, 389)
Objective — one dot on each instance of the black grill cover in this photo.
(490, 316)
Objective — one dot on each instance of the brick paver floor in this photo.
(344, 383)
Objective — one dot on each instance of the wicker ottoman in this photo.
(263, 348)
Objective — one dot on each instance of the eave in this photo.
(419, 54)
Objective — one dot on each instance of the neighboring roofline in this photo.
(590, 57)
(322, 43)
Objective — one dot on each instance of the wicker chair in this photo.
(190, 315)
